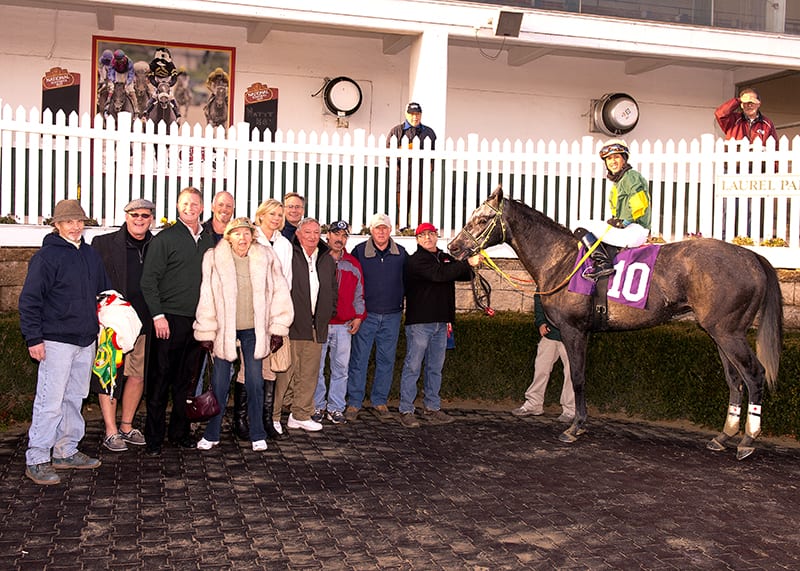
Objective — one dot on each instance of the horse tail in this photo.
(769, 341)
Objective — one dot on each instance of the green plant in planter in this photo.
(9, 219)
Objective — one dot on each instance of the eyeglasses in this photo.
(427, 234)
(295, 206)
(142, 215)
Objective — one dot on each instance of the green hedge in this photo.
(668, 372)
(665, 373)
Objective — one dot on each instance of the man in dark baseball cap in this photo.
(406, 133)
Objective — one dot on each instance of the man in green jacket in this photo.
(171, 286)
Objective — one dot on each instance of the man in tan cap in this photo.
(382, 264)
(740, 118)
(123, 254)
(58, 318)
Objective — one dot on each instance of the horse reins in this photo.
(483, 237)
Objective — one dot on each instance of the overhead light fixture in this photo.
(507, 24)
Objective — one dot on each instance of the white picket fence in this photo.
(703, 186)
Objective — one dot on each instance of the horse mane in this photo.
(541, 219)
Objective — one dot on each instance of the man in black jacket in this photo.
(430, 277)
(171, 286)
(123, 255)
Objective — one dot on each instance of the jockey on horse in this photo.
(216, 108)
(629, 225)
(162, 70)
(120, 71)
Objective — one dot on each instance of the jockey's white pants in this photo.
(631, 236)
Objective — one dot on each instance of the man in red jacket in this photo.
(350, 312)
(740, 118)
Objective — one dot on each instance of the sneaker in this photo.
(204, 444)
(336, 417)
(133, 436)
(43, 474)
(309, 425)
(115, 443)
(566, 417)
(438, 417)
(526, 411)
(351, 413)
(258, 445)
(278, 426)
(408, 420)
(384, 415)
(318, 415)
(79, 461)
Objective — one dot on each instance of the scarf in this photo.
(615, 177)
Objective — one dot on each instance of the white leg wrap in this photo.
(753, 426)
(732, 421)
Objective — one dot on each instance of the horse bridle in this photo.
(483, 236)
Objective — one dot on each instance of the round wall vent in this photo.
(342, 96)
(615, 113)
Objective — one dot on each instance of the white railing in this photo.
(704, 186)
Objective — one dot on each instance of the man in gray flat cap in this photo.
(123, 254)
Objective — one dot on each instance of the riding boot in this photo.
(269, 402)
(602, 258)
(241, 428)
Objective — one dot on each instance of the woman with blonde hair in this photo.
(244, 297)
(270, 220)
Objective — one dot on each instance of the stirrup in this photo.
(597, 273)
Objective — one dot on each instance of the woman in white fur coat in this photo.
(243, 296)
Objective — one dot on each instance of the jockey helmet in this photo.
(106, 57)
(120, 62)
(162, 54)
(615, 147)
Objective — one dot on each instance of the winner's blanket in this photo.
(630, 283)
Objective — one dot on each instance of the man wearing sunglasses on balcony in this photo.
(123, 255)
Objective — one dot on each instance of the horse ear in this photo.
(497, 194)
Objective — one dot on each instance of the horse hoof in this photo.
(715, 445)
(744, 451)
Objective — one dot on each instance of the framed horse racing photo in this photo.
(185, 83)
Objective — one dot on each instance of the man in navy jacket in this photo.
(58, 318)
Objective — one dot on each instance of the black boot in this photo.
(241, 428)
(269, 402)
(602, 258)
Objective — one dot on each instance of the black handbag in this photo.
(204, 406)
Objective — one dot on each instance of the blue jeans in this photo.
(424, 342)
(382, 329)
(253, 386)
(61, 386)
(339, 344)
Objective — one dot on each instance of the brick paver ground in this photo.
(488, 492)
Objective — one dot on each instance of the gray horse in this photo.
(726, 287)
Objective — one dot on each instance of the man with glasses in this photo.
(430, 277)
(350, 312)
(123, 254)
(294, 209)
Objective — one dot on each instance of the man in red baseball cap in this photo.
(430, 277)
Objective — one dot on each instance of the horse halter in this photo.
(483, 236)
